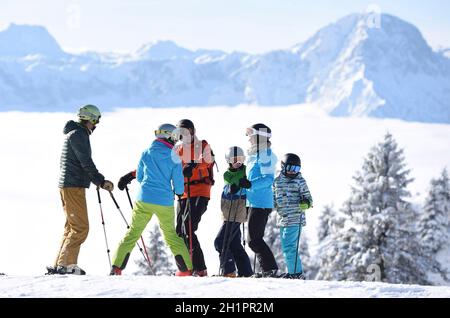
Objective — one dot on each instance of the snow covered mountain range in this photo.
(349, 68)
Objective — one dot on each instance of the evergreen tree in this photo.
(309, 266)
(160, 263)
(435, 219)
(325, 219)
(333, 250)
(434, 223)
(378, 240)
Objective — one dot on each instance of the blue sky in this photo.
(246, 25)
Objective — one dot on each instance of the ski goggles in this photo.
(292, 168)
(239, 159)
(179, 133)
(164, 132)
(253, 132)
(95, 121)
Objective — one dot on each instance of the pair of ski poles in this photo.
(143, 250)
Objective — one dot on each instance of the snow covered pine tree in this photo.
(308, 264)
(378, 240)
(332, 249)
(325, 219)
(434, 227)
(158, 254)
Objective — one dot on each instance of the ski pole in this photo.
(128, 226)
(243, 234)
(189, 218)
(104, 228)
(296, 251)
(147, 258)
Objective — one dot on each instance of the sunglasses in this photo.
(292, 168)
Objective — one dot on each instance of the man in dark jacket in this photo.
(77, 172)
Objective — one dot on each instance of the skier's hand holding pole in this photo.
(107, 185)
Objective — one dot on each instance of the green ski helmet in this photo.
(90, 113)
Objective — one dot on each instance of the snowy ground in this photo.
(332, 149)
(211, 287)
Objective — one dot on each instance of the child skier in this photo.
(160, 177)
(228, 241)
(291, 199)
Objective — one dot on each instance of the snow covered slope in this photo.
(210, 287)
(348, 68)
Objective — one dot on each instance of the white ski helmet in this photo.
(90, 113)
(165, 131)
(235, 154)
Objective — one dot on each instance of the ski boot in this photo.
(230, 275)
(56, 270)
(74, 270)
(182, 268)
(202, 273)
(115, 271)
(183, 273)
(294, 276)
(267, 274)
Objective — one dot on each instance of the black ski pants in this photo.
(198, 206)
(235, 254)
(257, 220)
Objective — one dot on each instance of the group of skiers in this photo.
(179, 165)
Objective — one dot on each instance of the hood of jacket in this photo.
(73, 125)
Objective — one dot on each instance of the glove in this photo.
(187, 170)
(125, 180)
(234, 188)
(179, 196)
(107, 185)
(305, 204)
(244, 183)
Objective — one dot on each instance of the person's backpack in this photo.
(210, 176)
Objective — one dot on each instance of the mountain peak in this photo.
(364, 64)
(162, 50)
(21, 40)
